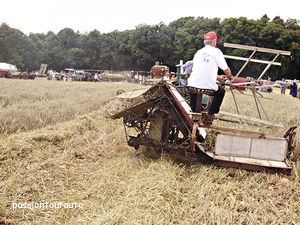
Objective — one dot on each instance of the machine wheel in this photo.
(293, 140)
(157, 131)
(295, 145)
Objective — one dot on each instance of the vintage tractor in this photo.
(160, 117)
(157, 73)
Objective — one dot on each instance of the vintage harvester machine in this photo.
(160, 117)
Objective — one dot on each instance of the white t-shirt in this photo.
(205, 68)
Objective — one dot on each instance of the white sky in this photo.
(40, 16)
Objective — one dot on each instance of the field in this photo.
(57, 146)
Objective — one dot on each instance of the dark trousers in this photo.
(215, 105)
(193, 101)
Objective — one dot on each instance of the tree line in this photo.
(139, 48)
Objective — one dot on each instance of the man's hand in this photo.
(228, 73)
(222, 78)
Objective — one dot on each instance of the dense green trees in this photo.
(16, 48)
(139, 48)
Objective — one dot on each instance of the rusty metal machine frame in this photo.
(180, 133)
(176, 128)
(164, 121)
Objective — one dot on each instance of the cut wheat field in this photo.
(56, 146)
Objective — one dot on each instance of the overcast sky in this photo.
(41, 16)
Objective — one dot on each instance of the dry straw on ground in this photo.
(85, 159)
(31, 104)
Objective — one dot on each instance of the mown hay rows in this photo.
(87, 160)
(27, 104)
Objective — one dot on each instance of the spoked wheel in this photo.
(158, 125)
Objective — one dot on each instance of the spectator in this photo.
(269, 86)
(172, 77)
(136, 78)
(283, 86)
(140, 79)
(166, 77)
(293, 89)
(96, 77)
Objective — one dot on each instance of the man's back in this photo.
(205, 68)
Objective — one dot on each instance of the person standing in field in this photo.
(293, 89)
(204, 75)
(141, 79)
(269, 86)
(136, 78)
(283, 86)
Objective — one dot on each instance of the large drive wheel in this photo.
(293, 143)
(158, 130)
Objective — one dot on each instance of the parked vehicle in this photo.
(7, 70)
(11, 71)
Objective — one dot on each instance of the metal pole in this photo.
(258, 100)
(235, 101)
(245, 64)
(257, 106)
(267, 67)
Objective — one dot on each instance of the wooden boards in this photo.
(251, 60)
(259, 49)
(224, 115)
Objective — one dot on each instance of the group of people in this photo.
(169, 77)
(73, 76)
(294, 89)
(138, 78)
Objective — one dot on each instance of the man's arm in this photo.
(227, 76)
(228, 73)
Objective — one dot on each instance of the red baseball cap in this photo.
(211, 36)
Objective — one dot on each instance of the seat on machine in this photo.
(200, 94)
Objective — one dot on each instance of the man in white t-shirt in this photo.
(204, 75)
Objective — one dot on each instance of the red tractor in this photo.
(159, 71)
